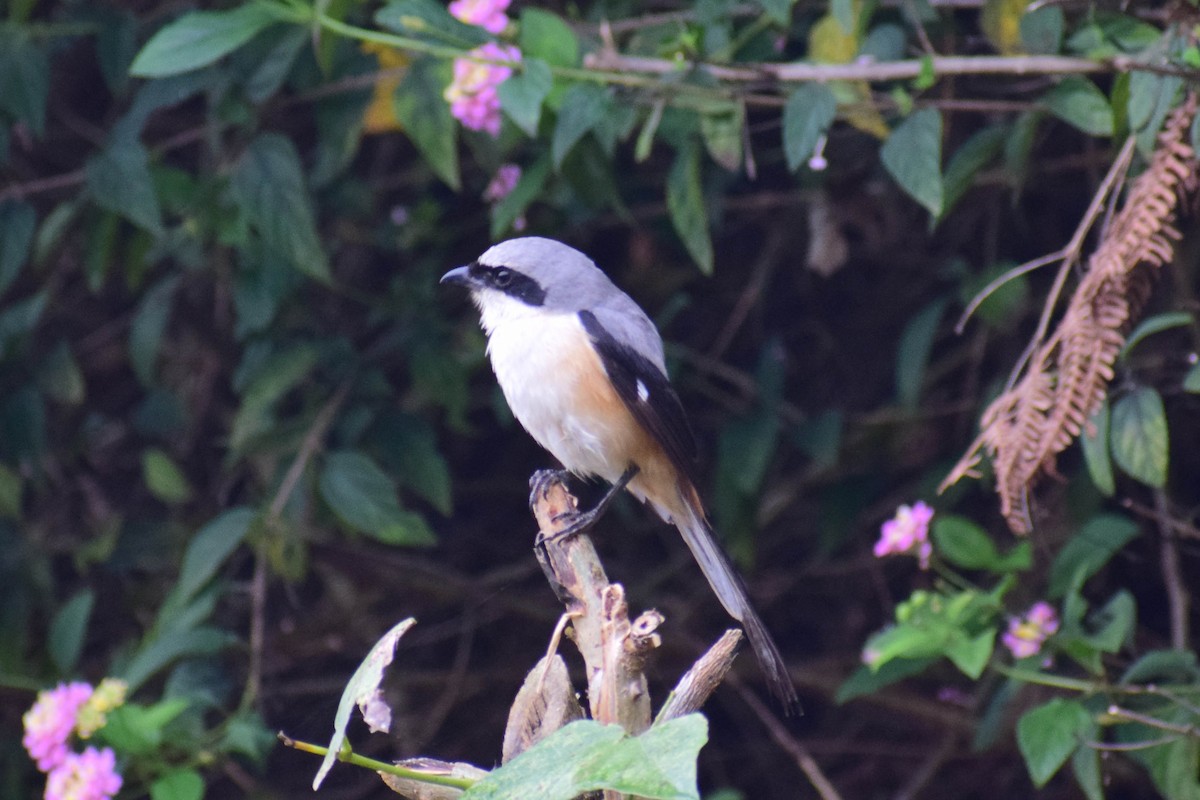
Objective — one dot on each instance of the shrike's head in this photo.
(536, 273)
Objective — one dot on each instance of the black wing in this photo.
(647, 394)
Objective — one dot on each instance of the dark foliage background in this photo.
(177, 341)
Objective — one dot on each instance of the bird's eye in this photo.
(502, 278)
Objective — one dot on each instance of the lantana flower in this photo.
(907, 533)
(472, 93)
(90, 775)
(487, 14)
(1026, 634)
(109, 695)
(51, 721)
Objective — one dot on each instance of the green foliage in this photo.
(223, 364)
(586, 756)
(1049, 734)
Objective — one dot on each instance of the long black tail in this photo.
(732, 593)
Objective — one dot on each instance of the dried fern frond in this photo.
(1067, 375)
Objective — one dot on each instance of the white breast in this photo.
(536, 357)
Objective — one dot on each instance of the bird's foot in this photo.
(541, 481)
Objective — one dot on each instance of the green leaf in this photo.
(1113, 623)
(1089, 550)
(916, 343)
(583, 107)
(528, 189)
(1191, 382)
(18, 321)
(138, 730)
(545, 36)
(181, 784)
(210, 547)
(160, 651)
(846, 15)
(24, 78)
(962, 542)
(778, 11)
(972, 655)
(68, 630)
(865, 681)
(521, 96)
(912, 155)
(17, 223)
(1139, 436)
(363, 689)
(426, 117)
(1049, 734)
(1155, 324)
(1080, 103)
(364, 498)
(146, 330)
(1164, 667)
(119, 180)
(1094, 440)
(723, 133)
(1085, 764)
(199, 38)
(409, 446)
(685, 202)
(809, 112)
(12, 486)
(1042, 30)
(586, 756)
(59, 375)
(268, 185)
(164, 478)
(981, 149)
(431, 21)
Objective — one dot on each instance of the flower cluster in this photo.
(907, 532)
(1026, 634)
(487, 14)
(472, 93)
(73, 708)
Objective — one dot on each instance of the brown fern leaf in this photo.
(1067, 377)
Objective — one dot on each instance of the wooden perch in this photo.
(614, 649)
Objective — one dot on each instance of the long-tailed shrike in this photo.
(582, 368)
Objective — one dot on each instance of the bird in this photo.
(582, 368)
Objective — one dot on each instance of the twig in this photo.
(1125, 715)
(258, 583)
(1179, 526)
(929, 768)
(699, 682)
(1069, 254)
(1172, 572)
(803, 72)
(796, 749)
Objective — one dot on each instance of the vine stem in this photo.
(348, 756)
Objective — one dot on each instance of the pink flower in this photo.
(487, 14)
(1025, 635)
(49, 723)
(90, 775)
(907, 532)
(472, 92)
(502, 183)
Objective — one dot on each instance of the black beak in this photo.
(459, 276)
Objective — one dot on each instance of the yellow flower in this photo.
(380, 116)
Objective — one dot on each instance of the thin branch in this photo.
(793, 746)
(1172, 572)
(804, 72)
(1126, 715)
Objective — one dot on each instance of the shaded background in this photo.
(167, 375)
